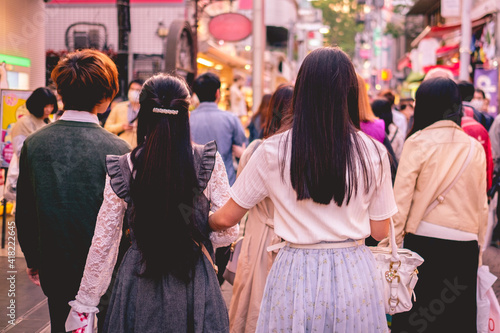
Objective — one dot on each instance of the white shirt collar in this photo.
(80, 116)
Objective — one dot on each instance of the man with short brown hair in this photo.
(61, 180)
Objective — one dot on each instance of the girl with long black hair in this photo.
(166, 281)
(330, 185)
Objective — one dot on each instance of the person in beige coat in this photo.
(122, 119)
(447, 235)
(254, 261)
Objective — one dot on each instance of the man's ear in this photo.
(217, 95)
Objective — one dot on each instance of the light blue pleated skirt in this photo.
(323, 290)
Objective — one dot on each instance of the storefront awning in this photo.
(454, 68)
(404, 62)
(441, 30)
(213, 53)
(447, 50)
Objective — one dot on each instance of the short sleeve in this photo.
(250, 187)
(382, 204)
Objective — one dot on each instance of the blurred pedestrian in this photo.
(398, 118)
(237, 96)
(330, 186)
(254, 261)
(209, 123)
(256, 126)
(368, 122)
(407, 108)
(41, 104)
(61, 180)
(122, 119)
(374, 127)
(166, 281)
(479, 101)
(382, 108)
(442, 212)
(467, 92)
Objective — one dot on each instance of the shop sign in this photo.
(487, 81)
(450, 8)
(230, 27)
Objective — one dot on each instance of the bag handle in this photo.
(392, 241)
(441, 197)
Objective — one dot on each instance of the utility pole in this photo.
(123, 9)
(464, 74)
(259, 45)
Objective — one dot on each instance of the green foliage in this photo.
(394, 30)
(340, 17)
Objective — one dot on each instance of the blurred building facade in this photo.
(22, 42)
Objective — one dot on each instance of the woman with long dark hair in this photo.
(256, 125)
(254, 261)
(330, 185)
(440, 192)
(166, 281)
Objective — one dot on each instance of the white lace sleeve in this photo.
(102, 255)
(217, 192)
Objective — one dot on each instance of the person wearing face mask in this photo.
(479, 101)
(122, 119)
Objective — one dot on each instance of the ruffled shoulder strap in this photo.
(204, 161)
(119, 172)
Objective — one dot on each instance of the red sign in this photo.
(231, 27)
(80, 2)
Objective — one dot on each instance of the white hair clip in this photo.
(165, 111)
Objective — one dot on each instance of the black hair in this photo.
(481, 92)
(165, 180)
(466, 90)
(382, 108)
(40, 98)
(138, 81)
(436, 99)
(205, 87)
(328, 156)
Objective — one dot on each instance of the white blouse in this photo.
(307, 222)
(103, 252)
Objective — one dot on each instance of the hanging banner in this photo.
(487, 81)
(12, 107)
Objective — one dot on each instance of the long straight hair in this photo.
(436, 99)
(327, 154)
(164, 180)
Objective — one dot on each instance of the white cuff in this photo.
(81, 308)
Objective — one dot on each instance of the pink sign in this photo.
(231, 27)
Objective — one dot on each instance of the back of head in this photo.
(264, 104)
(436, 99)
(279, 108)
(40, 98)
(388, 95)
(84, 79)
(165, 180)
(383, 109)
(205, 87)
(325, 147)
(365, 110)
(466, 90)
